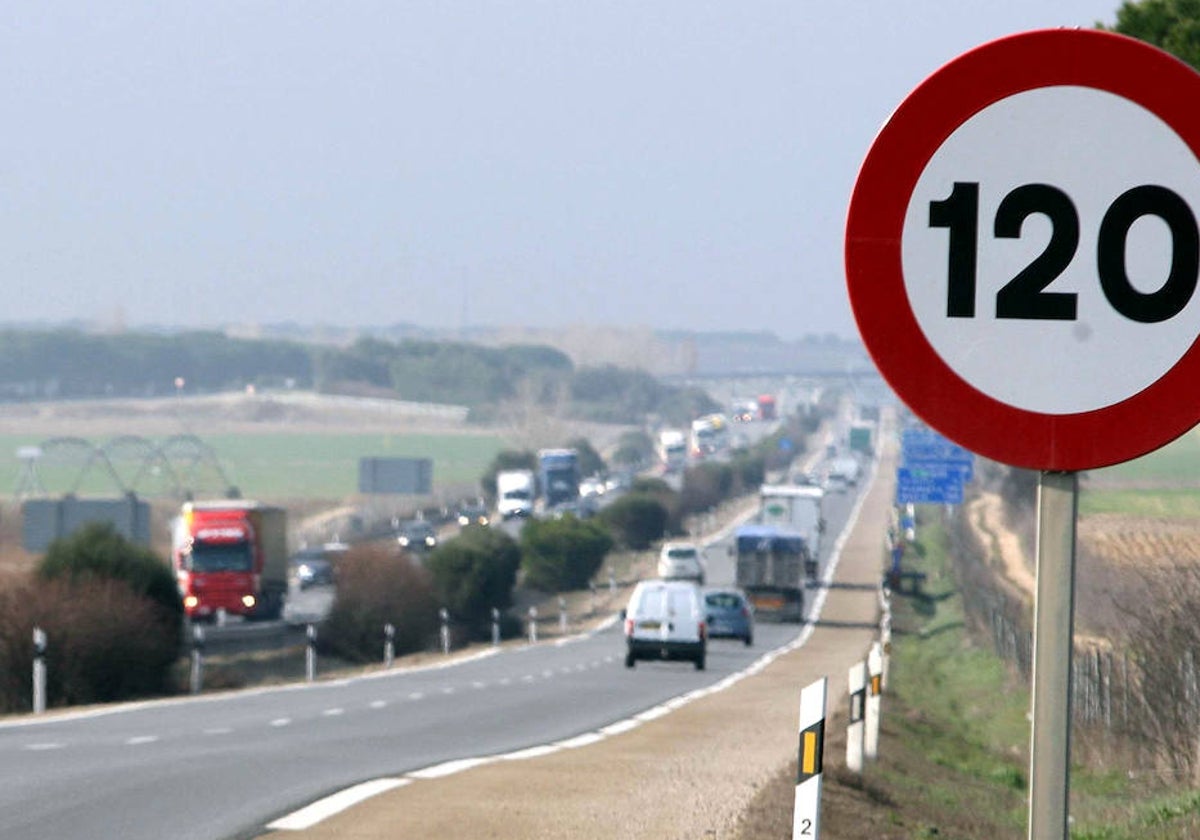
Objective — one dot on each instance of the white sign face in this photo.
(1023, 249)
(1061, 346)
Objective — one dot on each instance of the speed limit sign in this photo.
(1023, 249)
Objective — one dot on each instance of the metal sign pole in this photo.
(1053, 621)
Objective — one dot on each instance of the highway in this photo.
(224, 766)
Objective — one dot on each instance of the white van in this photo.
(665, 620)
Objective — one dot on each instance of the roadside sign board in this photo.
(921, 487)
(1023, 249)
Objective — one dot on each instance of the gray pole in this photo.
(562, 615)
(39, 670)
(1054, 606)
(444, 615)
(389, 645)
(495, 626)
(532, 625)
(310, 654)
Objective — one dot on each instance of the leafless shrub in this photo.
(104, 642)
(375, 587)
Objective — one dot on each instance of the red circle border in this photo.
(1123, 66)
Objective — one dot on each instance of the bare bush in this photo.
(377, 587)
(104, 642)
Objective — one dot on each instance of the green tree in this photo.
(98, 551)
(1172, 25)
(636, 519)
(590, 462)
(562, 554)
(474, 573)
(634, 449)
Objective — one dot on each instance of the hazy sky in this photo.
(678, 165)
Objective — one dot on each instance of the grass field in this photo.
(276, 465)
(1165, 483)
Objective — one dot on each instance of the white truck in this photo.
(516, 491)
(797, 509)
(672, 450)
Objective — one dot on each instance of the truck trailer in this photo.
(231, 556)
(672, 450)
(558, 474)
(770, 570)
(799, 509)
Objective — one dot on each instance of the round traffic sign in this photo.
(1023, 249)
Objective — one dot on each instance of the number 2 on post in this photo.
(1025, 296)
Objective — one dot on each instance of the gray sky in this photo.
(677, 165)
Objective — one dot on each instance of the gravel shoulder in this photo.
(690, 774)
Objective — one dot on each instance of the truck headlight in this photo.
(248, 601)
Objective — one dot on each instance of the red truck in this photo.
(231, 555)
(766, 407)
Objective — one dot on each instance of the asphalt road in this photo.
(224, 766)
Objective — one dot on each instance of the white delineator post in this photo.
(310, 653)
(533, 625)
(854, 732)
(39, 670)
(444, 616)
(874, 701)
(806, 815)
(495, 626)
(197, 672)
(389, 645)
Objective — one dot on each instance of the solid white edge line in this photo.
(449, 768)
(322, 809)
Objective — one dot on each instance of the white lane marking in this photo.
(506, 681)
(378, 704)
(448, 768)
(547, 673)
(137, 740)
(123, 708)
(620, 726)
(334, 712)
(281, 721)
(42, 747)
(459, 765)
(478, 684)
(218, 730)
(322, 809)
(564, 670)
(531, 752)
(448, 690)
(584, 740)
(416, 695)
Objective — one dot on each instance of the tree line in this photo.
(67, 363)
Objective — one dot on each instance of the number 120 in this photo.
(1025, 296)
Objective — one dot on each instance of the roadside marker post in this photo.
(310, 653)
(197, 674)
(533, 625)
(444, 632)
(389, 645)
(1097, 135)
(39, 670)
(885, 639)
(874, 702)
(495, 627)
(806, 815)
(854, 732)
(562, 615)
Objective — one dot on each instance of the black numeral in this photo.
(1025, 297)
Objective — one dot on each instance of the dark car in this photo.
(312, 567)
(417, 535)
(729, 615)
(473, 513)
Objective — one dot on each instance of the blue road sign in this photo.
(923, 487)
